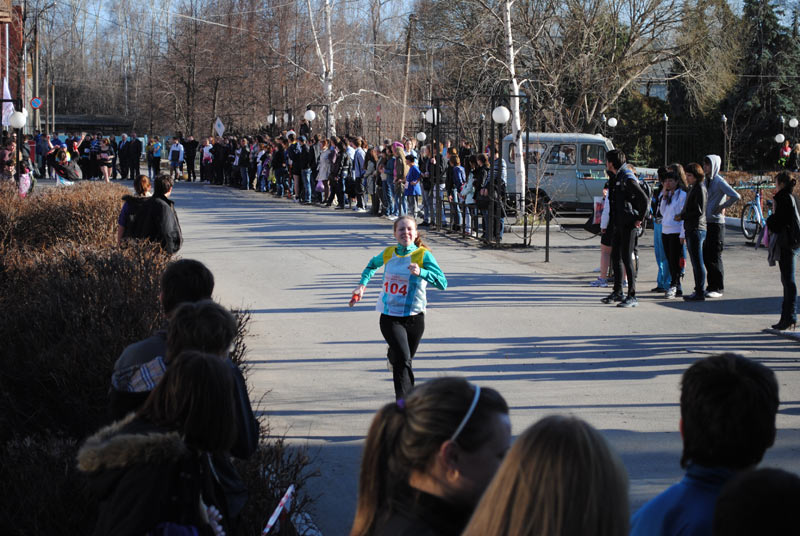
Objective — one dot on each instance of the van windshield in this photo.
(593, 155)
(535, 152)
(563, 154)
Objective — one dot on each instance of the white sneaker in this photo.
(361, 210)
(392, 218)
(671, 293)
(599, 282)
(713, 294)
(64, 182)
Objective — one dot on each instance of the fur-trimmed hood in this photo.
(128, 442)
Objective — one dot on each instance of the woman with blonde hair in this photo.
(429, 457)
(399, 174)
(560, 478)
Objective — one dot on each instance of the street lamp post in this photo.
(500, 116)
(666, 122)
(17, 122)
(725, 143)
(433, 117)
(36, 116)
(480, 134)
(779, 138)
(310, 113)
(612, 123)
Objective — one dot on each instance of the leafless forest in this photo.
(178, 64)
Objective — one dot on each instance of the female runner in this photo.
(408, 268)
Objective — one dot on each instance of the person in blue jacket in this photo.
(413, 189)
(728, 408)
(408, 268)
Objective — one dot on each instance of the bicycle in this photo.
(753, 220)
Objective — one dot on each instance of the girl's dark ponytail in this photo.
(377, 478)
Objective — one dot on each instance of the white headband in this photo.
(470, 411)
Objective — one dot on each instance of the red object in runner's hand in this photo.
(355, 299)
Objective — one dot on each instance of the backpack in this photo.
(134, 219)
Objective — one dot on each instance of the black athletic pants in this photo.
(190, 172)
(403, 334)
(623, 242)
(712, 256)
(673, 249)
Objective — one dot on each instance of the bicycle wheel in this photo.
(750, 223)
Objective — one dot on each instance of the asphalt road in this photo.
(535, 331)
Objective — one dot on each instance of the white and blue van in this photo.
(569, 169)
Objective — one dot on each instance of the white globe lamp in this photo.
(778, 138)
(421, 137)
(310, 115)
(793, 122)
(612, 122)
(501, 115)
(432, 115)
(17, 120)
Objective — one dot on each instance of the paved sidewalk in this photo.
(535, 331)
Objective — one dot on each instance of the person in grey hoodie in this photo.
(720, 197)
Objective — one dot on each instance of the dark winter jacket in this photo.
(158, 222)
(142, 476)
(785, 220)
(694, 210)
(628, 202)
(130, 213)
(135, 376)
(412, 512)
(68, 170)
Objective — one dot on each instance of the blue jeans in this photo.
(664, 278)
(399, 203)
(388, 197)
(455, 210)
(427, 206)
(439, 195)
(243, 171)
(694, 243)
(279, 177)
(306, 176)
(787, 265)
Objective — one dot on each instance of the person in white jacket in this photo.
(671, 201)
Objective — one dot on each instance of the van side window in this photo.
(562, 155)
(593, 155)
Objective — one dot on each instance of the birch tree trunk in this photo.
(326, 62)
(516, 122)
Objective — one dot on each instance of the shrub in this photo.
(43, 492)
(66, 314)
(85, 213)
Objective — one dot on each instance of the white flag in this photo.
(8, 107)
(219, 127)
